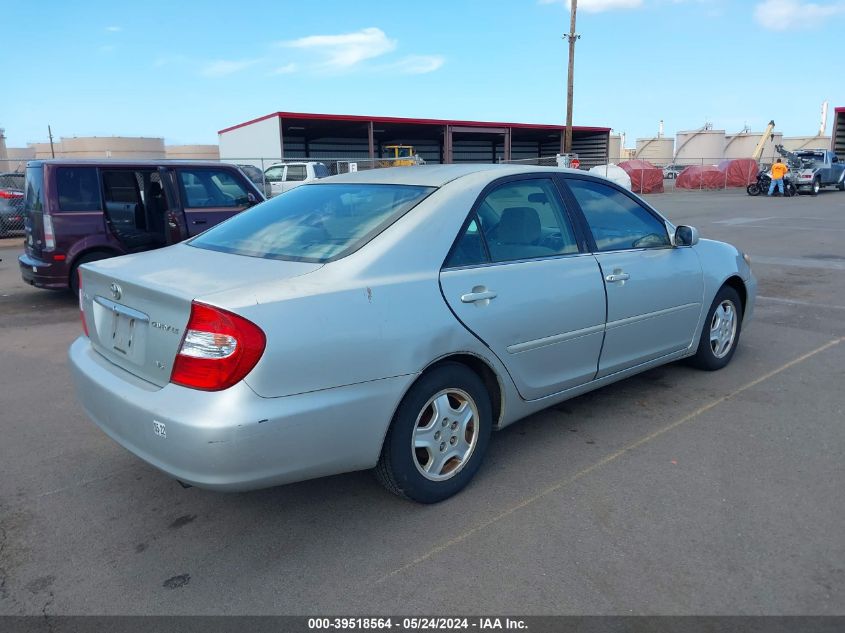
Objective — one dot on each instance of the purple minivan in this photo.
(81, 211)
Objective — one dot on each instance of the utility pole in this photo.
(50, 134)
(572, 37)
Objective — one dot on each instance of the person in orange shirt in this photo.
(778, 172)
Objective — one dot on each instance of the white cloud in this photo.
(597, 6)
(223, 67)
(346, 50)
(285, 70)
(417, 64)
(114, 29)
(783, 15)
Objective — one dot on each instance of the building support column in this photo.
(508, 144)
(447, 144)
(281, 140)
(371, 139)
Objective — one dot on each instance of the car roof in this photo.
(123, 162)
(438, 175)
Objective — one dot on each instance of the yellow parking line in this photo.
(606, 460)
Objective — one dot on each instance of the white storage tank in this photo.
(192, 152)
(656, 149)
(742, 145)
(614, 148)
(700, 147)
(111, 147)
(795, 143)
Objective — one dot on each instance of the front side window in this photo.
(78, 189)
(313, 223)
(616, 221)
(211, 188)
(275, 174)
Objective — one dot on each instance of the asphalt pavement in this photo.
(674, 492)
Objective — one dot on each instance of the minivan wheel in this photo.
(720, 334)
(438, 436)
(73, 282)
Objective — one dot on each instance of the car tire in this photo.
(720, 334)
(73, 282)
(841, 186)
(790, 190)
(425, 456)
(817, 185)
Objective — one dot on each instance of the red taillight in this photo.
(10, 195)
(82, 304)
(49, 236)
(218, 349)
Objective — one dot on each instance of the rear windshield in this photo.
(34, 192)
(313, 223)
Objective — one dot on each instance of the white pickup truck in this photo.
(285, 176)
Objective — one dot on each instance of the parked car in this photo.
(673, 171)
(285, 176)
(11, 203)
(82, 211)
(391, 319)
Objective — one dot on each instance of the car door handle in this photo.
(617, 276)
(200, 221)
(478, 295)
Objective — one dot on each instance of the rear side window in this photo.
(616, 221)
(320, 170)
(519, 220)
(34, 192)
(211, 188)
(313, 223)
(78, 189)
(296, 172)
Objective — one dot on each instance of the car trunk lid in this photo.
(136, 307)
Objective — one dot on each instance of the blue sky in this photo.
(184, 70)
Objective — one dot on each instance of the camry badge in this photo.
(116, 291)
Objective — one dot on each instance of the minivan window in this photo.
(313, 223)
(78, 189)
(211, 188)
(34, 192)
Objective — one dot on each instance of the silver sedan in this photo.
(391, 320)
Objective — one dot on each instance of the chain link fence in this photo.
(274, 175)
(660, 176)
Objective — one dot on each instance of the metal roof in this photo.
(409, 121)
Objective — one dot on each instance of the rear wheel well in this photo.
(484, 372)
(102, 252)
(738, 284)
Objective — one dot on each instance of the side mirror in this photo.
(686, 236)
(251, 199)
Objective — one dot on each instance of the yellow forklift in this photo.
(399, 156)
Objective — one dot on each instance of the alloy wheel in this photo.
(723, 329)
(445, 434)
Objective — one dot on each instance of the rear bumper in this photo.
(41, 274)
(234, 439)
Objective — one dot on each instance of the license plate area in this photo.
(121, 329)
